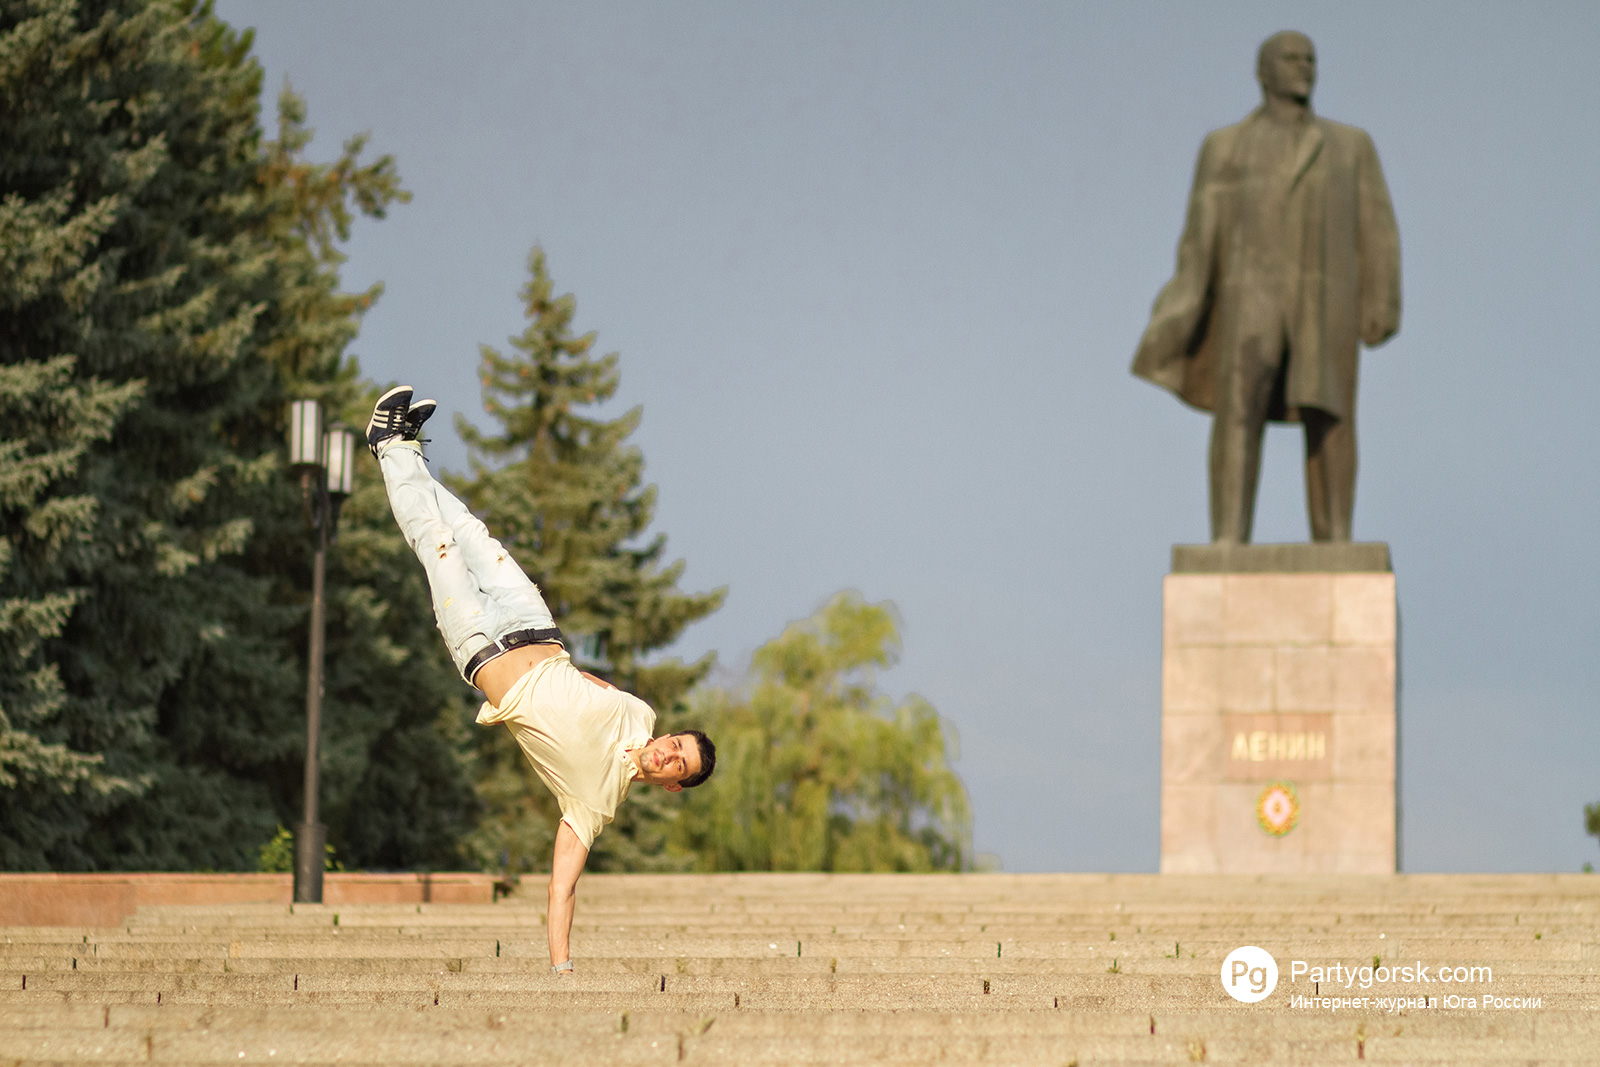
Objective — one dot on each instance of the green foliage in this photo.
(395, 793)
(50, 421)
(562, 489)
(277, 855)
(169, 281)
(122, 120)
(1591, 819)
(817, 770)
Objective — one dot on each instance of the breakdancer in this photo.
(587, 740)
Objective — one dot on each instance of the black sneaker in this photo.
(388, 417)
(421, 411)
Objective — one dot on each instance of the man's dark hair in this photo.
(708, 758)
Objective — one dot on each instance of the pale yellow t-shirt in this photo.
(576, 734)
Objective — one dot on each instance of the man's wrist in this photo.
(564, 965)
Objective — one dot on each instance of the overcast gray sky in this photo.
(876, 272)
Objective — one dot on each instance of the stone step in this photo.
(1231, 1019)
(587, 978)
(1236, 1020)
(1129, 998)
(1270, 901)
(700, 918)
(1511, 935)
(712, 1040)
(528, 962)
(1512, 943)
(1241, 1035)
(811, 969)
(1574, 978)
(702, 912)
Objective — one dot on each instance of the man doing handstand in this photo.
(587, 740)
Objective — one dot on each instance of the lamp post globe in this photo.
(305, 436)
(339, 445)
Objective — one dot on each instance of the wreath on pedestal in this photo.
(1278, 808)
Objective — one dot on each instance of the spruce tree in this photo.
(562, 489)
(49, 421)
(170, 279)
(128, 124)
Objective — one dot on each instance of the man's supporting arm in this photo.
(565, 867)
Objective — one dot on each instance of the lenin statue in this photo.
(1288, 262)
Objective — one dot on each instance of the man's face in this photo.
(1289, 67)
(668, 760)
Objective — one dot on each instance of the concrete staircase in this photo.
(750, 969)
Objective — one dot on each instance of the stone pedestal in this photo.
(1278, 710)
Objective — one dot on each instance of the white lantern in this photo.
(305, 434)
(340, 448)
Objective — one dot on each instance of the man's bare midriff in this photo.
(497, 676)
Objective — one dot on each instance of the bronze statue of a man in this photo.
(1289, 260)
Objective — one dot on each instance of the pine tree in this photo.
(562, 490)
(170, 281)
(816, 770)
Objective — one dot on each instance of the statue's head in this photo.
(1286, 66)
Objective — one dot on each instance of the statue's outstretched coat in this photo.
(1342, 289)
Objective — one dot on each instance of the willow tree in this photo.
(817, 770)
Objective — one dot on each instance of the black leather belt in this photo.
(514, 639)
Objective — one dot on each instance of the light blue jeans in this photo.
(479, 592)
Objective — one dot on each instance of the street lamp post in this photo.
(324, 461)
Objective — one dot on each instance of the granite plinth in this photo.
(1274, 678)
(1326, 557)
